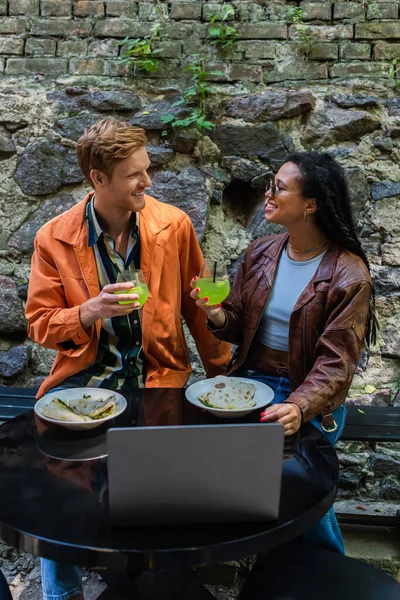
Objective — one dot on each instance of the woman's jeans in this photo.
(326, 534)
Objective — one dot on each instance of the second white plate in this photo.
(263, 396)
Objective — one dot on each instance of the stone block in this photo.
(378, 31)
(243, 72)
(72, 48)
(87, 66)
(269, 105)
(147, 12)
(255, 49)
(61, 28)
(29, 8)
(3, 7)
(386, 51)
(186, 10)
(103, 48)
(325, 33)
(89, 8)
(323, 51)
(296, 70)
(55, 8)
(8, 25)
(12, 319)
(121, 28)
(335, 125)
(349, 10)
(185, 30)
(98, 66)
(217, 71)
(383, 10)
(262, 31)
(169, 49)
(252, 12)
(11, 45)
(354, 51)
(40, 47)
(360, 69)
(317, 11)
(39, 66)
(121, 8)
(211, 9)
(2, 62)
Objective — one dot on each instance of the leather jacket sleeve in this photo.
(336, 354)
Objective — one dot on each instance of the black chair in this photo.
(5, 593)
(305, 573)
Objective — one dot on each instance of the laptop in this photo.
(194, 474)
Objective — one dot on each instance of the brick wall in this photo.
(81, 37)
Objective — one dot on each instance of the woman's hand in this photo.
(287, 414)
(213, 311)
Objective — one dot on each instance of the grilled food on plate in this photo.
(229, 393)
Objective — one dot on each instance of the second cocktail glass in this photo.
(213, 283)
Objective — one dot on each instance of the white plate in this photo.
(263, 396)
(75, 394)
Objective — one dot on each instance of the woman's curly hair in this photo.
(324, 179)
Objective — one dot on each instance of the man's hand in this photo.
(105, 305)
(287, 414)
(213, 311)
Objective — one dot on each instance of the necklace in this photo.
(308, 250)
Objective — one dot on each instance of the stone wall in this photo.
(318, 78)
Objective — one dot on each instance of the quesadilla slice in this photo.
(230, 393)
(60, 411)
(94, 409)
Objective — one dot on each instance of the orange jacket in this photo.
(64, 276)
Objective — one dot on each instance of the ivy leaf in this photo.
(214, 31)
(370, 389)
(167, 119)
(178, 103)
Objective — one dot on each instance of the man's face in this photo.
(125, 187)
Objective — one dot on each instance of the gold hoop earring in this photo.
(306, 216)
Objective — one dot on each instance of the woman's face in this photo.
(287, 205)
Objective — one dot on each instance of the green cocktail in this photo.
(216, 291)
(140, 289)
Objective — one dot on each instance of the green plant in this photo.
(222, 34)
(394, 71)
(294, 15)
(304, 41)
(303, 38)
(194, 99)
(140, 52)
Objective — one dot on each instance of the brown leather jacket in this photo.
(327, 326)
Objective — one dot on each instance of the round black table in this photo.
(53, 499)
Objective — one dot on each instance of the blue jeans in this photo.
(60, 581)
(326, 534)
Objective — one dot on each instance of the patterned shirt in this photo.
(119, 360)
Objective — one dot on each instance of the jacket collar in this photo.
(72, 224)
